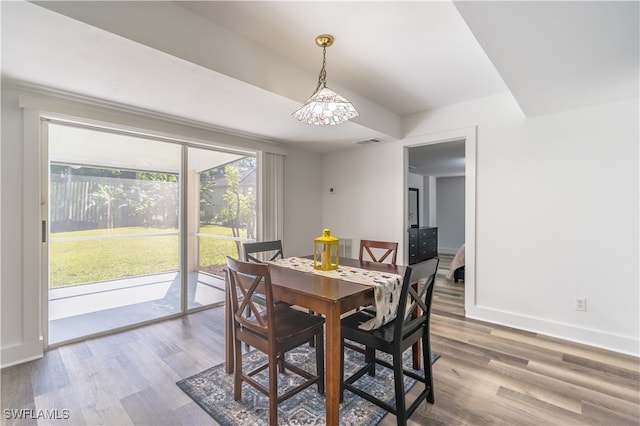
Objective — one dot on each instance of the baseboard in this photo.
(448, 251)
(596, 338)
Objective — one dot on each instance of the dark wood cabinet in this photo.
(423, 244)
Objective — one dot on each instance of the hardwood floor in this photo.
(488, 374)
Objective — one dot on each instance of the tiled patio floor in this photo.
(83, 310)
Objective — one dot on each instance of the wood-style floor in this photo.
(487, 375)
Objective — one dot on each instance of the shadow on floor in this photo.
(87, 309)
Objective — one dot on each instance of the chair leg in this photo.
(342, 370)
(273, 390)
(312, 341)
(237, 373)
(281, 362)
(247, 314)
(370, 358)
(401, 410)
(320, 362)
(428, 368)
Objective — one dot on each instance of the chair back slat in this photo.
(378, 251)
(263, 250)
(245, 280)
(415, 300)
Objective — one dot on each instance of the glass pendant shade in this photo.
(325, 107)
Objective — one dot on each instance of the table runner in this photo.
(386, 286)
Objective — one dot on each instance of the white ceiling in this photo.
(441, 159)
(245, 66)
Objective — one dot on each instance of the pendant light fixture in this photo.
(325, 106)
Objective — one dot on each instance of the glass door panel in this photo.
(222, 215)
(114, 241)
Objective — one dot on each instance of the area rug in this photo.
(212, 390)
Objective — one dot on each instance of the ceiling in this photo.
(440, 160)
(244, 67)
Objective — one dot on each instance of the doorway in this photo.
(449, 156)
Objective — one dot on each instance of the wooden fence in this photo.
(87, 202)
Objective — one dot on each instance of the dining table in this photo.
(323, 295)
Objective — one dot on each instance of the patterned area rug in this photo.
(212, 389)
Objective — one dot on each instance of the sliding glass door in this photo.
(139, 227)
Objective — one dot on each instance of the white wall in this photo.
(431, 202)
(556, 214)
(450, 213)
(368, 201)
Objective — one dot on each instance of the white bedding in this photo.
(457, 262)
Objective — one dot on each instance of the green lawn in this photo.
(75, 262)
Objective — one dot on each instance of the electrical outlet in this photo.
(581, 304)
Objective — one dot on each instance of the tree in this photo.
(239, 209)
(108, 196)
(154, 198)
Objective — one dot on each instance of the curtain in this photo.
(271, 195)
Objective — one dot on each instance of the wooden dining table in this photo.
(330, 297)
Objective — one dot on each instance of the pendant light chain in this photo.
(322, 78)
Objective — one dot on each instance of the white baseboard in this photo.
(447, 250)
(596, 338)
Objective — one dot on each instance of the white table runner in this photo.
(386, 286)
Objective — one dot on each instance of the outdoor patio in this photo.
(86, 309)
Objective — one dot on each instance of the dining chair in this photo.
(259, 252)
(262, 250)
(272, 329)
(411, 325)
(378, 251)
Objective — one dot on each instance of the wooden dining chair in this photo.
(378, 251)
(272, 329)
(411, 325)
(259, 252)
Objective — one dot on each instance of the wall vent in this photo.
(369, 141)
(345, 247)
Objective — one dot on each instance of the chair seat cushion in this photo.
(292, 322)
(382, 337)
(350, 327)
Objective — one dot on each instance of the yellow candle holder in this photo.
(325, 252)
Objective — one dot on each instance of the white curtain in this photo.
(271, 205)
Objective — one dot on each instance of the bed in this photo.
(456, 269)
